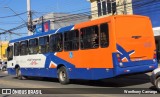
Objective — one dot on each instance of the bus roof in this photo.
(67, 28)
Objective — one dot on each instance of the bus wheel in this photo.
(63, 76)
(158, 83)
(4, 69)
(18, 73)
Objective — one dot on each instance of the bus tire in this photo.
(4, 68)
(158, 83)
(18, 73)
(63, 76)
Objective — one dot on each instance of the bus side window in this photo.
(104, 38)
(43, 44)
(16, 49)
(24, 47)
(71, 40)
(94, 34)
(33, 46)
(56, 43)
(10, 53)
(89, 37)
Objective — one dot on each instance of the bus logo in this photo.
(33, 62)
(71, 54)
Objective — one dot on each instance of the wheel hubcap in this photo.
(159, 84)
(62, 76)
(19, 73)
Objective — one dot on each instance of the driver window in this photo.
(10, 53)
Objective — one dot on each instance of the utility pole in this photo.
(125, 6)
(29, 14)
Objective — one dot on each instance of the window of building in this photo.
(44, 44)
(10, 53)
(89, 37)
(109, 6)
(16, 49)
(24, 47)
(99, 8)
(114, 7)
(106, 7)
(56, 42)
(71, 40)
(104, 35)
(33, 46)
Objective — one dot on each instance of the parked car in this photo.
(155, 78)
(3, 66)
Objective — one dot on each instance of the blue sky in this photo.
(40, 7)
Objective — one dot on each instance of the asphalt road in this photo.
(137, 81)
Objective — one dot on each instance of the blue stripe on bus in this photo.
(123, 53)
(133, 67)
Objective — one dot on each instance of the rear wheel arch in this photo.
(18, 72)
(157, 75)
(60, 65)
(17, 66)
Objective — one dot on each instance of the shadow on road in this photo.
(154, 88)
(41, 79)
(122, 81)
(2, 76)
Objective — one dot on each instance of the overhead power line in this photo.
(8, 32)
(14, 15)
(85, 14)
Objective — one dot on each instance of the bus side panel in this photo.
(78, 73)
(49, 70)
(11, 71)
(92, 58)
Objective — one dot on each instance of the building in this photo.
(57, 20)
(101, 8)
(3, 47)
(151, 9)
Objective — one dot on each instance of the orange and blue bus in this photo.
(96, 49)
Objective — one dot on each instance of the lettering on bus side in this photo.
(33, 61)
